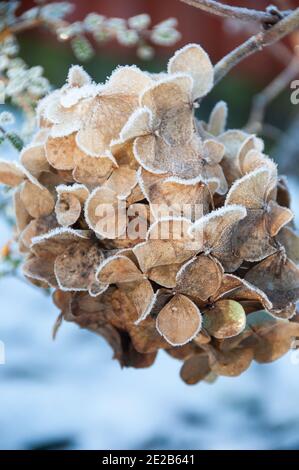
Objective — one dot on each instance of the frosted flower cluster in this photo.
(216, 286)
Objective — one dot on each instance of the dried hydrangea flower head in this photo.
(156, 230)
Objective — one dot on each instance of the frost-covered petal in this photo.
(38, 201)
(118, 269)
(156, 156)
(11, 173)
(75, 268)
(103, 122)
(200, 277)
(218, 118)
(174, 197)
(192, 59)
(139, 123)
(179, 321)
(170, 103)
(91, 170)
(278, 217)
(252, 190)
(33, 158)
(209, 229)
(60, 152)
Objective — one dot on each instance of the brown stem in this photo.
(257, 43)
(239, 13)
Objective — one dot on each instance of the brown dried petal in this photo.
(192, 59)
(127, 80)
(171, 197)
(36, 228)
(91, 170)
(67, 209)
(164, 275)
(251, 240)
(168, 243)
(290, 240)
(142, 297)
(60, 152)
(212, 228)
(232, 363)
(33, 158)
(95, 135)
(195, 369)
(75, 268)
(200, 278)
(278, 216)
(252, 190)
(179, 321)
(118, 269)
(278, 278)
(170, 102)
(145, 337)
(11, 173)
(227, 318)
(272, 338)
(218, 118)
(22, 215)
(122, 181)
(138, 124)
(38, 202)
(101, 213)
(156, 156)
(40, 269)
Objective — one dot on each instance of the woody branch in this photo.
(269, 17)
(276, 25)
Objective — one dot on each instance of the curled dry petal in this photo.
(218, 118)
(278, 217)
(69, 203)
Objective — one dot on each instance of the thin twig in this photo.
(262, 100)
(257, 43)
(239, 13)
